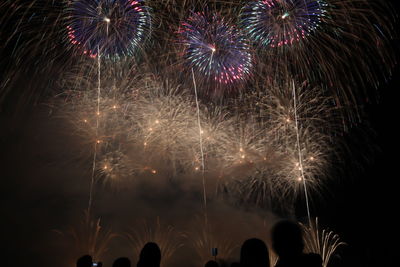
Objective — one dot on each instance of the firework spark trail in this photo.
(97, 131)
(303, 178)
(27, 35)
(201, 150)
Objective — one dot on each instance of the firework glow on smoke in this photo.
(146, 128)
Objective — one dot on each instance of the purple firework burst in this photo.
(216, 51)
(281, 22)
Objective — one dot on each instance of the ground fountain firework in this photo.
(321, 241)
(168, 239)
(88, 237)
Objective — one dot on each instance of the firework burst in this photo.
(215, 50)
(113, 28)
(276, 23)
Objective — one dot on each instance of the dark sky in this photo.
(37, 196)
(363, 207)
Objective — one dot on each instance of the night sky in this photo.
(39, 196)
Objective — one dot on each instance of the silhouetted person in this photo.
(254, 253)
(84, 261)
(287, 241)
(150, 256)
(211, 264)
(122, 262)
(235, 264)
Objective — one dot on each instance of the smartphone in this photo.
(214, 251)
(95, 264)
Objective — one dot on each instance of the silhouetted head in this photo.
(287, 239)
(122, 262)
(150, 256)
(84, 261)
(211, 264)
(254, 253)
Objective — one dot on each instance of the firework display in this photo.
(137, 122)
(113, 28)
(281, 22)
(247, 102)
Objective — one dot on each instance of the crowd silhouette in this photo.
(287, 242)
